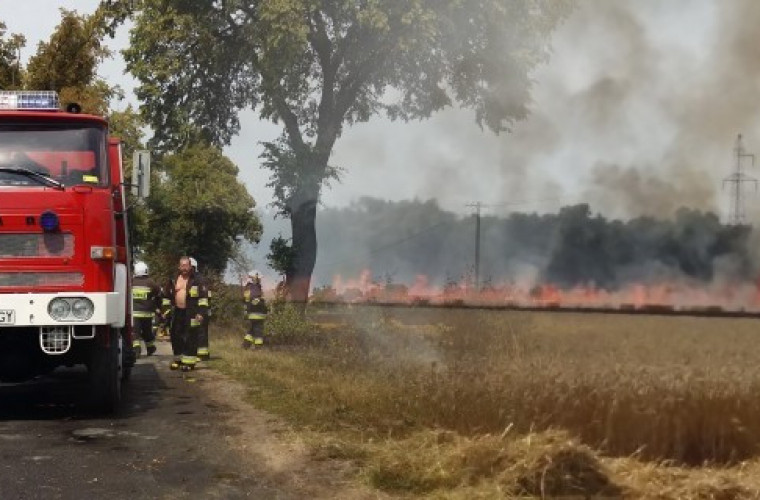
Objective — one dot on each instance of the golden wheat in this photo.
(667, 390)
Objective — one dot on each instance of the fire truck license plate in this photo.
(7, 316)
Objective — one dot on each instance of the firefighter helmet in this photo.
(141, 268)
(194, 263)
(254, 274)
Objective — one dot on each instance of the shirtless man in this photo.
(190, 305)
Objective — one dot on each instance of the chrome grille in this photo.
(36, 245)
(55, 339)
(21, 279)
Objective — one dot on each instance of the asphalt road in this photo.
(167, 442)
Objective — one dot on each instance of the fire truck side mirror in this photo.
(141, 174)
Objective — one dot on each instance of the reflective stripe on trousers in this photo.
(189, 360)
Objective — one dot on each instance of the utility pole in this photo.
(737, 214)
(477, 206)
(18, 67)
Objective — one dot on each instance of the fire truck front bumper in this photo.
(54, 309)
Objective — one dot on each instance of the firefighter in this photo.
(189, 306)
(164, 320)
(146, 303)
(203, 351)
(256, 311)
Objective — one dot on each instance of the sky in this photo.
(636, 112)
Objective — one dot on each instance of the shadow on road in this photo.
(64, 395)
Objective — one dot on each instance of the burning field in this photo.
(380, 252)
(457, 403)
(677, 297)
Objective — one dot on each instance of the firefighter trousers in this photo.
(143, 330)
(203, 338)
(184, 336)
(255, 335)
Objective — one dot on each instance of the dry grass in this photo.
(422, 398)
(547, 464)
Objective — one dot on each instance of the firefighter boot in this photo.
(187, 363)
(175, 364)
(203, 354)
(151, 349)
(137, 348)
(161, 333)
(247, 342)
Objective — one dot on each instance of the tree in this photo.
(10, 64)
(581, 249)
(68, 64)
(198, 208)
(128, 126)
(314, 66)
(170, 224)
(280, 256)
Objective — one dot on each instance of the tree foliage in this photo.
(280, 256)
(128, 126)
(198, 208)
(68, 63)
(10, 64)
(197, 205)
(314, 66)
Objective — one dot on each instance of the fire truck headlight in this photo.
(82, 309)
(58, 309)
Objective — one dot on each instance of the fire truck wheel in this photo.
(106, 373)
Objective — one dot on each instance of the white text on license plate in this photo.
(7, 317)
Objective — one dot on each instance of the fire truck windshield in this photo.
(70, 153)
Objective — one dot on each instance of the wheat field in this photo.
(635, 405)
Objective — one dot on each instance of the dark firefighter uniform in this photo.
(185, 327)
(256, 312)
(146, 302)
(203, 351)
(164, 320)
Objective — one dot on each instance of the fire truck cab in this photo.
(65, 265)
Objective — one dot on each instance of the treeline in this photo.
(399, 240)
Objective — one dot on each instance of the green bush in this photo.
(226, 303)
(286, 325)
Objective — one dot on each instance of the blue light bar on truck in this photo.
(29, 99)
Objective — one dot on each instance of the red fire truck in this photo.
(64, 249)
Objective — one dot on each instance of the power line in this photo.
(479, 206)
(737, 214)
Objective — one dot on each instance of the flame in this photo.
(663, 295)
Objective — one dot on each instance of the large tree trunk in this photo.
(303, 224)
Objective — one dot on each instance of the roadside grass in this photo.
(477, 404)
